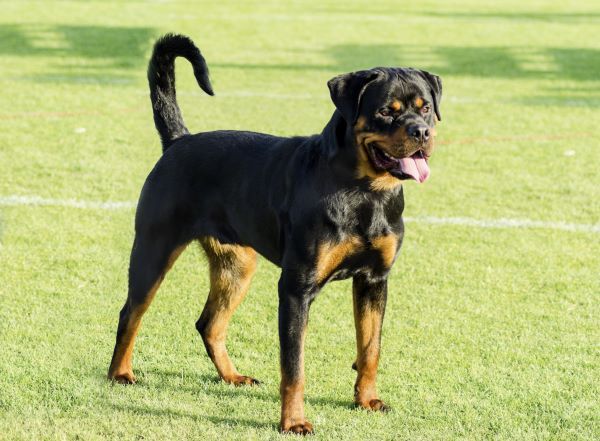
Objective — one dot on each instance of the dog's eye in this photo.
(426, 109)
(385, 112)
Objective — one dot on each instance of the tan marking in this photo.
(231, 270)
(367, 321)
(396, 105)
(387, 245)
(361, 123)
(330, 255)
(419, 102)
(364, 167)
(292, 402)
(385, 182)
(121, 366)
(380, 180)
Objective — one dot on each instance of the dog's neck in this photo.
(339, 148)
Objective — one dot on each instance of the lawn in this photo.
(492, 328)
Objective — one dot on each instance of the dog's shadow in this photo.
(200, 385)
(204, 383)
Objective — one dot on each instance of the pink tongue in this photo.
(416, 167)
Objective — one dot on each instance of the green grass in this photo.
(489, 334)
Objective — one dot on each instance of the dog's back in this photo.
(232, 183)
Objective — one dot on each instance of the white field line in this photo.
(505, 223)
(36, 201)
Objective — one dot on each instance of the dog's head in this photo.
(391, 113)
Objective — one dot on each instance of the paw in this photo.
(242, 380)
(122, 378)
(375, 405)
(303, 428)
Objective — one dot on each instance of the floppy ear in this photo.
(347, 89)
(435, 84)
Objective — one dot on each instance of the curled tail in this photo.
(161, 79)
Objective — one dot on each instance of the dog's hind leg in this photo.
(151, 259)
(231, 270)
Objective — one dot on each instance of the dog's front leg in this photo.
(295, 298)
(369, 298)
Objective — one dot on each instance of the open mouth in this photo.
(412, 167)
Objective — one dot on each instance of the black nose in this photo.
(419, 133)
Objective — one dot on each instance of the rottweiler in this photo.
(323, 207)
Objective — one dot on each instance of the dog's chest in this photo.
(367, 240)
(355, 254)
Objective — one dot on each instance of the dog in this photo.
(323, 207)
